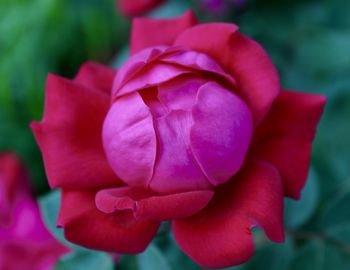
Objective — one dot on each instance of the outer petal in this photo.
(146, 204)
(85, 225)
(70, 136)
(256, 77)
(220, 235)
(148, 32)
(284, 138)
(137, 7)
(94, 75)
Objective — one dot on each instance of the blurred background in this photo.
(309, 42)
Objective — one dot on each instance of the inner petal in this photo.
(198, 61)
(180, 93)
(221, 132)
(152, 75)
(129, 140)
(176, 169)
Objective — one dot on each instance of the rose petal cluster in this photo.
(194, 128)
(25, 243)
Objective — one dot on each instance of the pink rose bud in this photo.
(175, 126)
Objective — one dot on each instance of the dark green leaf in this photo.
(296, 213)
(335, 220)
(86, 260)
(272, 256)
(152, 259)
(49, 206)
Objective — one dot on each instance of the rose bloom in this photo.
(137, 7)
(25, 243)
(194, 128)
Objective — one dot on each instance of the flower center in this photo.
(184, 131)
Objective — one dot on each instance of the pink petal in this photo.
(242, 58)
(198, 61)
(134, 65)
(221, 132)
(85, 225)
(146, 204)
(220, 235)
(129, 140)
(285, 136)
(69, 136)
(176, 169)
(97, 76)
(151, 75)
(147, 32)
(181, 93)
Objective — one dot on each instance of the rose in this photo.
(25, 243)
(193, 128)
(137, 7)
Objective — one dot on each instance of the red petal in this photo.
(137, 7)
(11, 179)
(69, 136)
(243, 58)
(284, 137)
(85, 225)
(146, 204)
(148, 32)
(94, 75)
(220, 235)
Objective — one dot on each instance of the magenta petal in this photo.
(147, 205)
(129, 139)
(221, 132)
(151, 76)
(176, 169)
(134, 65)
(180, 94)
(197, 60)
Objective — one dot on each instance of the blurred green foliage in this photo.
(41, 36)
(308, 40)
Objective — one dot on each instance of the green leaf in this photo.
(297, 213)
(49, 206)
(121, 57)
(335, 220)
(272, 256)
(152, 259)
(127, 262)
(170, 9)
(85, 260)
(321, 256)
